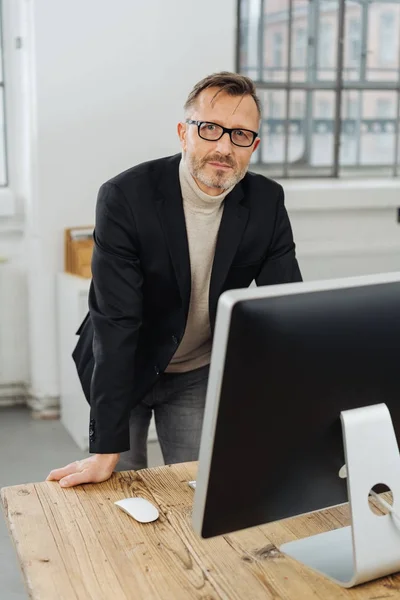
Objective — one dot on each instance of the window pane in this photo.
(387, 38)
(297, 125)
(378, 127)
(249, 38)
(300, 47)
(327, 32)
(398, 144)
(276, 35)
(353, 41)
(383, 41)
(323, 128)
(273, 126)
(368, 128)
(311, 133)
(300, 36)
(3, 170)
(351, 128)
(1, 49)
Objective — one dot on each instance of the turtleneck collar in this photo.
(198, 200)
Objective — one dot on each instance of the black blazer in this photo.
(140, 290)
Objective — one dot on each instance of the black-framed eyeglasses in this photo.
(213, 132)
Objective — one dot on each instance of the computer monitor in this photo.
(292, 366)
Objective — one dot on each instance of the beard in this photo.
(220, 179)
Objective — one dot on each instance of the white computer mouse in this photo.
(139, 508)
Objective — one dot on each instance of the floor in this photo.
(29, 450)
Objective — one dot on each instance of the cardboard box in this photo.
(78, 250)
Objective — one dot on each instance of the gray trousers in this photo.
(178, 401)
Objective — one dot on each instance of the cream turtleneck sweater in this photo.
(203, 217)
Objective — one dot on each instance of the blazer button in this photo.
(157, 370)
(175, 340)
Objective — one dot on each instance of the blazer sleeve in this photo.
(280, 264)
(115, 306)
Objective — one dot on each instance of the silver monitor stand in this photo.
(370, 547)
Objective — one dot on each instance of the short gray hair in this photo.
(232, 84)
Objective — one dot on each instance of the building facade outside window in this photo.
(332, 121)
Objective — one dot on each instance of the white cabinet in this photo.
(72, 306)
(72, 295)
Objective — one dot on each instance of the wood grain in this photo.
(76, 544)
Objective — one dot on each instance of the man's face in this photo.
(218, 165)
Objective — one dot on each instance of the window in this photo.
(297, 109)
(384, 108)
(300, 48)
(318, 120)
(387, 38)
(277, 110)
(324, 109)
(277, 49)
(3, 147)
(351, 108)
(326, 46)
(354, 40)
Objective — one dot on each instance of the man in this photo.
(170, 236)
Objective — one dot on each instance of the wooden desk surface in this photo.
(76, 544)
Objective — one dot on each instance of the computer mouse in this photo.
(139, 508)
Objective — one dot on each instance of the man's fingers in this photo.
(93, 469)
(58, 474)
(76, 479)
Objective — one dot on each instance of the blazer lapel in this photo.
(233, 224)
(172, 218)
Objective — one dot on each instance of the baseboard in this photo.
(11, 401)
(13, 394)
(43, 406)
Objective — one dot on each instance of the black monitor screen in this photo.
(292, 364)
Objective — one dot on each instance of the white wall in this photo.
(102, 86)
(345, 228)
(14, 351)
(106, 85)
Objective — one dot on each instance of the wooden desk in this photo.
(75, 544)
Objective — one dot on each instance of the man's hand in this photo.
(95, 469)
